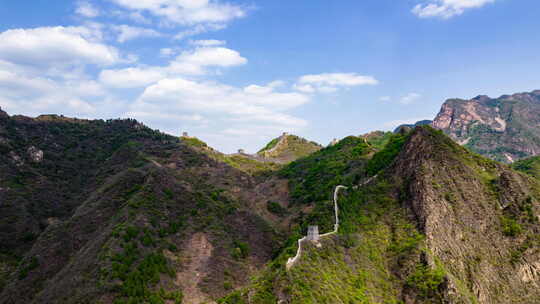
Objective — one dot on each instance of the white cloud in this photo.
(14, 85)
(210, 42)
(196, 61)
(276, 84)
(338, 79)
(239, 132)
(220, 112)
(385, 98)
(127, 32)
(252, 104)
(86, 9)
(43, 70)
(166, 52)
(186, 12)
(168, 116)
(447, 8)
(410, 98)
(139, 17)
(37, 95)
(324, 89)
(331, 82)
(258, 90)
(131, 77)
(212, 97)
(56, 47)
(199, 29)
(304, 88)
(212, 56)
(193, 62)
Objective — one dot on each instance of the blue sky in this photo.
(237, 73)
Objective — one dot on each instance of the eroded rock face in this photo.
(461, 204)
(505, 129)
(35, 154)
(196, 256)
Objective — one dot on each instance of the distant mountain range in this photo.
(504, 129)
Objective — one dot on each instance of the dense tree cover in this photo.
(530, 166)
(312, 178)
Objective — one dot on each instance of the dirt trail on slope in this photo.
(195, 260)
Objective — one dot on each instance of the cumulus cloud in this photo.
(131, 77)
(127, 32)
(186, 12)
(331, 82)
(207, 108)
(45, 70)
(224, 104)
(447, 8)
(410, 98)
(56, 47)
(193, 62)
(37, 95)
(207, 56)
(215, 97)
(86, 9)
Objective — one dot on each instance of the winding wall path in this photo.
(294, 259)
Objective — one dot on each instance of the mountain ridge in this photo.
(505, 128)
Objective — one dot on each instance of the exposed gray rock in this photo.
(505, 128)
(35, 154)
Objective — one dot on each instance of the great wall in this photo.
(313, 232)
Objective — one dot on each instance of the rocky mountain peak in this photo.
(494, 126)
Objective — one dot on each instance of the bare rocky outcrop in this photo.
(504, 128)
(463, 204)
(35, 154)
(195, 257)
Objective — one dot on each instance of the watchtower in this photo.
(185, 134)
(313, 233)
(241, 151)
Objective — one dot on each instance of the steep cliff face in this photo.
(505, 128)
(480, 220)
